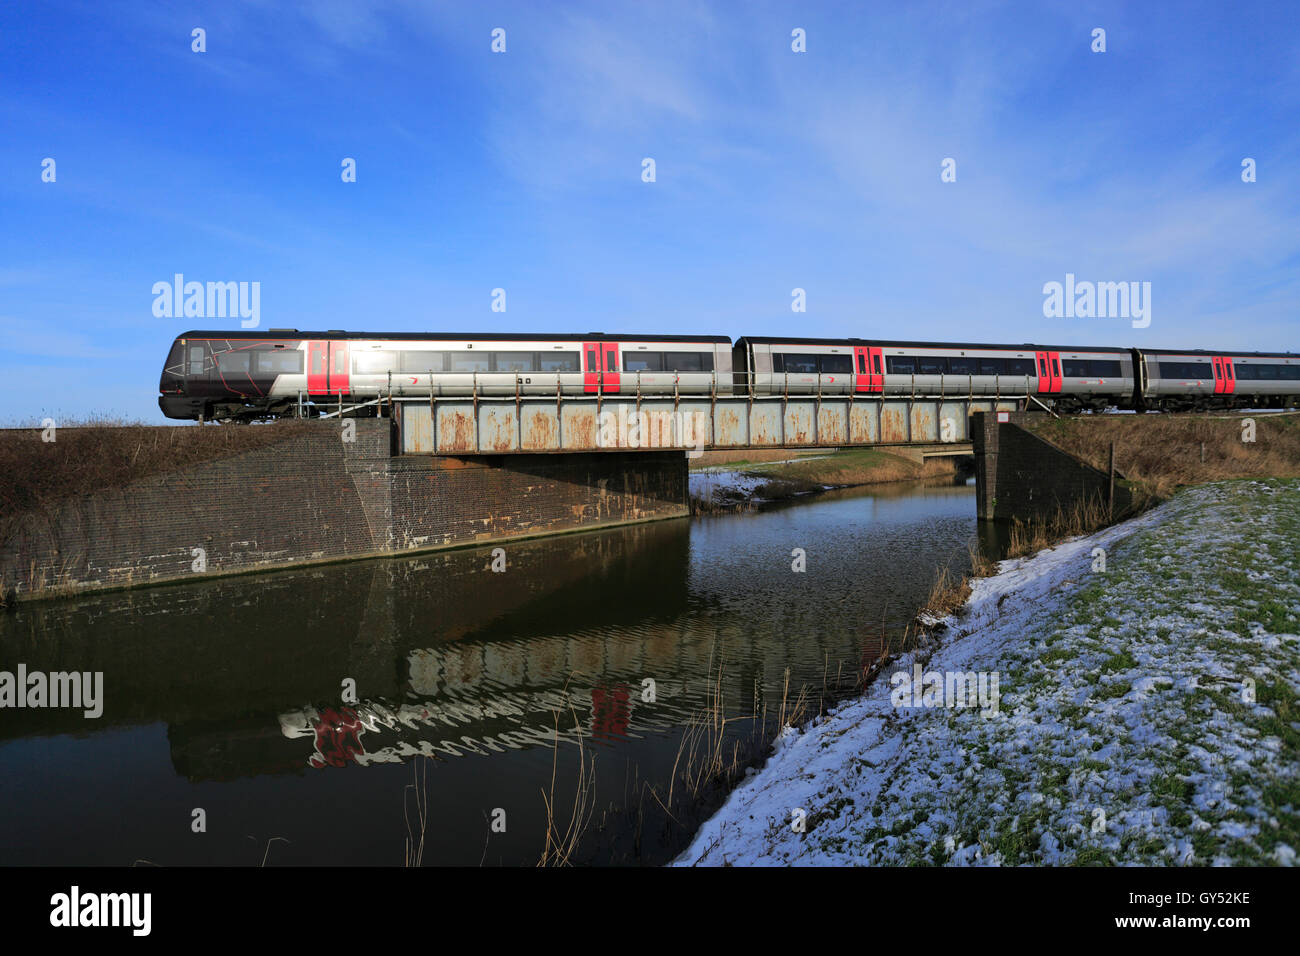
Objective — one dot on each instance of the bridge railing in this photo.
(735, 385)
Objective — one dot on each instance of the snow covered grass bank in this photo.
(1145, 713)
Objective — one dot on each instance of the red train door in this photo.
(611, 378)
(1049, 372)
(869, 366)
(590, 367)
(877, 359)
(318, 368)
(338, 368)
(1225, 380)
(600, 367)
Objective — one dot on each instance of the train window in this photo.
(931, 365)
(514, 362)
(862, 364)
(611, 360)
(1260, 372)
(1056, 367)
(340, 361)
(1199, 370)
(279, 362)
(990, 365)
(423, 361)
(558, 362)
(961, 365)
(836, 364)
(1105, 368)
(233, 363)
(778, 362)
(900, 364)
(374, 363)
(468, 361)
(1018, 366)
(800, 364)
(1076, 368)
(318, 362)
(643, 362)
(877, 362)
(593, 363)
(688, 361)
(196, 359)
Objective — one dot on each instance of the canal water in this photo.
(431, 706)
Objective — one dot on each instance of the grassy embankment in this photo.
(98, 454)
(1160, 454)
(1157, 455)
(1147, 714)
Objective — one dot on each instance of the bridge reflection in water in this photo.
(449, 660)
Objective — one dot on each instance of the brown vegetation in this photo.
(1160, 453)
(859, 466)
(1030, 537)
(947, 594)
(783, 478)
(96, 454)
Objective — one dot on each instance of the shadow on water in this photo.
(233, 696)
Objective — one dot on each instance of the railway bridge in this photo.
(920, 426)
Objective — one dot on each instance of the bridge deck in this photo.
(529, 425)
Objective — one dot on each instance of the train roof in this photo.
(335, 334)
(889, 343)
(1212, 353)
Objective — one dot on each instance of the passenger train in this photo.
(215, 375)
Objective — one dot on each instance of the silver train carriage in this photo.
(253, 375)
(1071, 378)
(1193, 380)
(249, 375)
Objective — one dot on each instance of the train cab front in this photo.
(184, 369)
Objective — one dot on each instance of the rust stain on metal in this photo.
(860, 424)
(764, 429)
(893, 425)
(455, 431)
(540, 430)
(729, 426)
(580, 431)
(499, 429)
(798, 426)
(923, 424)
(830, 427)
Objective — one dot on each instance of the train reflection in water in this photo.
(242, 679)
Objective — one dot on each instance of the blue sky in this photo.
(522, 170)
